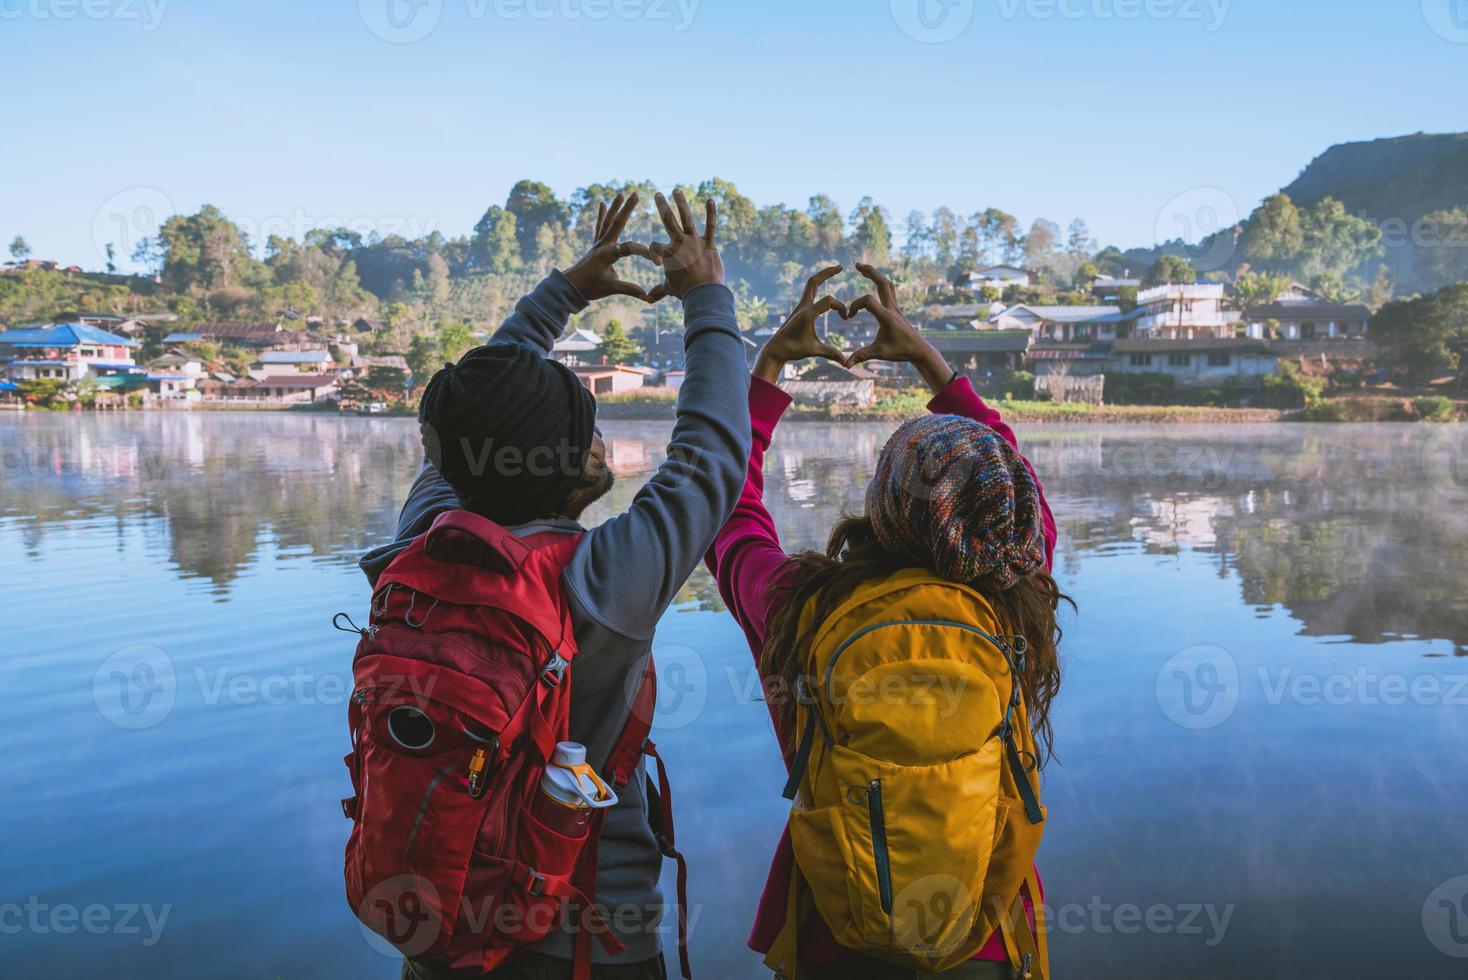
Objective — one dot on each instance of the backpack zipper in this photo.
(879, 844)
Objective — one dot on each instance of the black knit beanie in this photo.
(509, 430)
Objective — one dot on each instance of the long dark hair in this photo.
(853, 556)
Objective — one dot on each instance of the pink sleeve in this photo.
(746, 556)
(959, 398)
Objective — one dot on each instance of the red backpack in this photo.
(461, 691)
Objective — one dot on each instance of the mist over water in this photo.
(1259, 733)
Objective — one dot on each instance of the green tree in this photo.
(495, 247)
(1337, 243)
(204, 250)
(1442, 254)
(871, 236)
(423, 358)
(1276, 233)
(1040, 244)
(20, 249)
(1259, 288)
(918, 236)
(616, 346)
(534, 206)
(1170, 269)
(1426, 333)
(455, 339)
(944, 234)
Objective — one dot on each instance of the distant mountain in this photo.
(1392, 182)
(1403, 177)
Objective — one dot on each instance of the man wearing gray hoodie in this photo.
(510, 396)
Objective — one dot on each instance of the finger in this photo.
(601, 221)
(885, 289)
(827, 304)
(611, 218)
(623, 288)
(685, 213)
(814, 283)
(711, 221)
(831, 354)
(670, 221)
(859, 356)
(866, 301)
(638, 249)
(620, 218)
(660, 291)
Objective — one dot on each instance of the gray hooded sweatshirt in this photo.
(626, 572)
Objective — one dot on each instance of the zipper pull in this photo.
(478, 768)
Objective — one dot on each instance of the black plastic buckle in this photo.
(536, 886)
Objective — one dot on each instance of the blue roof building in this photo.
(63, 351)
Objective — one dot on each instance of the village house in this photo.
(580, 346)
(1308, 320)
(261, 336)
(610, 379)
(1197, 361)
(64, 352)
(177, 362)
(289, 388)
(1001, 277)
(1110, 289)
(829, 385)
(277, 362)
(1185, 311)
(1065, 324)
(986, 352)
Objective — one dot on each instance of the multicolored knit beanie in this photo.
(951, 495)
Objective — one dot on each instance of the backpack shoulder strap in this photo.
(630, 748)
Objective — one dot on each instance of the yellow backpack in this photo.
(916, 816)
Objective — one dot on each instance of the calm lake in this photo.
(1261, 729)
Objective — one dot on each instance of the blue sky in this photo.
(1136, 115)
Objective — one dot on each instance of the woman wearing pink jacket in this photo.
(985, 523)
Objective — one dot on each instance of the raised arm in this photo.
(746, 559)
(538, 321)
(632, 567)
(540, 318)
(898, 340)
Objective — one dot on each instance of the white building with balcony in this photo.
(1185, 311)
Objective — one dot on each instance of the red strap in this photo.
(622, 760)
(669, 845)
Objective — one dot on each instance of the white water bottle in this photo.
(570, 791)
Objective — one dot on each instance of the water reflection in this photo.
(1340, 525)
(224, 542)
